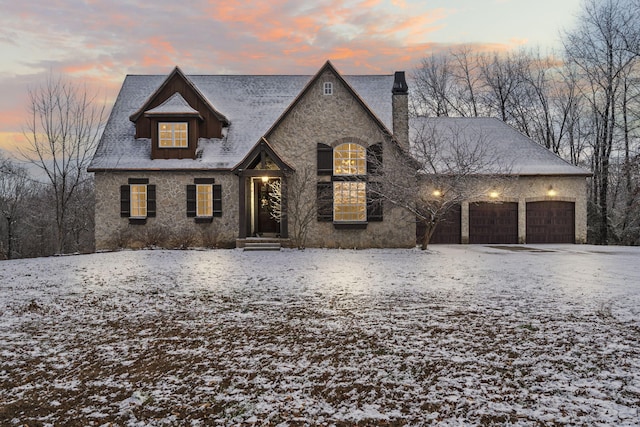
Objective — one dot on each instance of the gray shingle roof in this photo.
(176, 104)
(519, 153)
(251, 103)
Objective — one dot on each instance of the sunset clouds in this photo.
(99, 41)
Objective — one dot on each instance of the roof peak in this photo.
(175, 104)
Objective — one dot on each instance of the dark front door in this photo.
(265, 222)
(493, 223)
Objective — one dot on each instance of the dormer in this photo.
(175, 116)
(174, 129)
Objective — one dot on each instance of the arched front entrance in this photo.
(262, 184)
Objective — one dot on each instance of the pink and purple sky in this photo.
(100, 41)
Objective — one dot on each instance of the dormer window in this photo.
(173, 134)
(328, 88)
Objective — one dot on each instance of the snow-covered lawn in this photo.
(458, 335)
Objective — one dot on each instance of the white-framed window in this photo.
(349, 159)
(328, 88)
(204, 200)
(138, 201)
(349, 201)
(173, 134)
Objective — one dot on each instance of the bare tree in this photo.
(299, 203)
(14, 188)
(80, 223)
(433, 80)
(502, 75)
(448, 164)
(603, 46)
(467, 76)
(457, 165)
(448, 84)
(568, 117)
(63, 129)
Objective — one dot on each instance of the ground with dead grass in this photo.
(458, 335)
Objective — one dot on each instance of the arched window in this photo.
(349, 159)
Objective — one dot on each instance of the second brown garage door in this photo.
(551, 222)
(493, 223)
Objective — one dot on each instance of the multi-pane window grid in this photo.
(349, 197)
(349, 201)
(173, 134)
(139, 201)
(328, 88)
(204, 200)
(349, 159)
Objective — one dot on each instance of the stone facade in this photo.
(333, 119)
(170, 227)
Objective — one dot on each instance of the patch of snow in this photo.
(455, 335)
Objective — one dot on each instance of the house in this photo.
(218, 160)
(194, 160)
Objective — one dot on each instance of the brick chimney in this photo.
(400, 106)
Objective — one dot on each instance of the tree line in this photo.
(51, 212)
(28, 225)
(583, 104)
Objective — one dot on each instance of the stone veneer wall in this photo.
(534, 189)
(329, 119)
(171, 226)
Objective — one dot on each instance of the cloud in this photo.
(99, 41)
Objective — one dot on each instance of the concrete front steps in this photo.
(261, 243)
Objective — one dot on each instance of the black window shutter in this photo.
(151, 201)
(191, 200)
(374, 159)
(217, 200)
(325, 159)
(324, 201)
(374, 202)
(125, 201)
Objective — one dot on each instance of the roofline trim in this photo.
(328, 66)
(177, 71)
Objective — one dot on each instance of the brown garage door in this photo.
(493, 223)
(448, 230)
(551, 222)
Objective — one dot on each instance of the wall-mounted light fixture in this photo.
(494, 194)
(265, 179)
(437, 193)
(551, 192)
